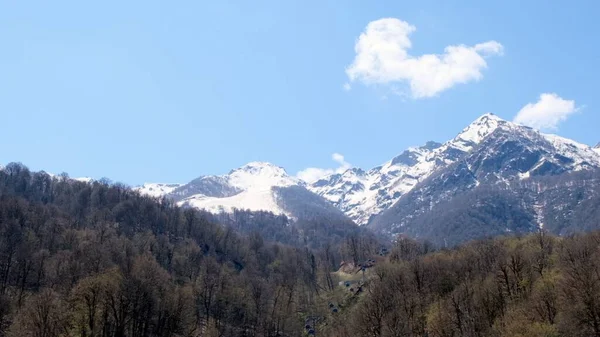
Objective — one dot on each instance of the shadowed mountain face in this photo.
(500, 187)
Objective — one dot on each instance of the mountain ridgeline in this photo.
(256, 186)
(495, 177)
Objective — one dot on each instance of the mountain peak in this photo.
(597, 146)
(261, 168)
(488, 116)
(477, 131)
(253, 186)
(431, 145)
(260, 164)
(260, 175)
(488, 120)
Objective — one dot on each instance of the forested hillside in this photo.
(533, 286)
(79, 259)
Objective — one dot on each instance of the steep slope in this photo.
(256, 186)
(570, 203)
(363, 195)
(497, 167)
(597, 148)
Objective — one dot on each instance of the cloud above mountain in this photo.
(547, 113)
(312, 174)
(382, 58)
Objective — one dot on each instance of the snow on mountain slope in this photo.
(597, 148)
(260, 176)
(252, 185)
(492, 189)
(254, 200)
(581, 154)
(477, 131)
(363, 195)
(256, 186)
(156, 189)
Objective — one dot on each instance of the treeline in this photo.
(79, 259)
(533, 286)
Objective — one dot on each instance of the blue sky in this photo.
(153, 91)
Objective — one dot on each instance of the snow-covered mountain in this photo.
(407, 193)
(248, 187)
(494, 188)
(363, 195)
(256, 186)
(156, 189)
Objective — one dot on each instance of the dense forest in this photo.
(97, 259)
(537, 285)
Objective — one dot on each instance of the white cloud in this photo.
(347, 86)
(547, 113)
(382, 58)
(312, 174)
